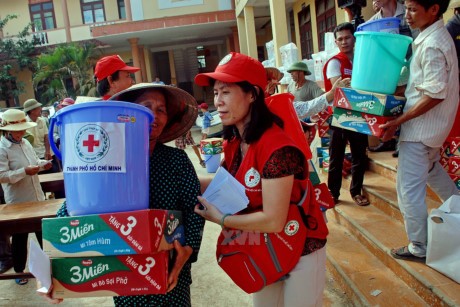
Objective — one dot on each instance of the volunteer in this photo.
(260, 155)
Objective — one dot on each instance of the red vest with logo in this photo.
(345, 69)
(251, 168)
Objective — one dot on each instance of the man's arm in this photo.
(425, 104)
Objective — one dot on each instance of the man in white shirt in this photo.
(432, 102)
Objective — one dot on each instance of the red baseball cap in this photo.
(204, 105)
(236, 67)
(111, 64)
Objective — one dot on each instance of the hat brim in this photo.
(454, 4)
(204, 79)
(182, 108)
(37, 105)
(130, 69)
(307, 72)
(18, 127)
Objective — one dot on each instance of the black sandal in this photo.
(403, 253)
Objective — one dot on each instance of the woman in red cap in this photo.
(270, 165)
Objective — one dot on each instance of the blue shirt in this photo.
(207, 117)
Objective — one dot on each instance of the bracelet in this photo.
(222, 220)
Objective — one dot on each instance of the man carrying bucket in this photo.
(113, 75)
(432, 102)
(340, 66)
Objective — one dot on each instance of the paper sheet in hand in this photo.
(226, 193)
(39, 266)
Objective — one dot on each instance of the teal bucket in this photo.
(378, 60)
(212, 162)
(105, 156)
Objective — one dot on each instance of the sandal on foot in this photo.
(202, 164)
(404, 254)
(21, 281)
(361, 200)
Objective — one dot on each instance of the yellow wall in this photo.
(16, 7)
(26, 77)
(151, 9)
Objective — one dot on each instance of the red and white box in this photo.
(323, 196)
(110, 275)
(454, 165)
(122, 233)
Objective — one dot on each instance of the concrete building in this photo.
(176, 39)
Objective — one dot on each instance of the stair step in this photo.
(379, 233)
(366, 279)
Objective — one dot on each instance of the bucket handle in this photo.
(382, 47)
(51, 138)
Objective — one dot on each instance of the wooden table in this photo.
(26, 217)
(53, 182)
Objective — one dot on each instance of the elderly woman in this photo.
(270, 165)
(19, 166)
(174, 184)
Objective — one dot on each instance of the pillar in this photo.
(251, 38)
(279, 27)
(142, 64)
(129, 14)
(241, 25)
(65, 15)
(135, 53)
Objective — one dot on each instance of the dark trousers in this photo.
(358, 145)
(19, 249)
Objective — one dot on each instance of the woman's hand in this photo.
(47, 296)
(32, 170)
(390, 129)
(208, 211)
(182, 255)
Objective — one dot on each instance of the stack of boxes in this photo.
(363, 111)
(125, 253)
(450, 158)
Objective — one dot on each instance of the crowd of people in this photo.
(259, 152)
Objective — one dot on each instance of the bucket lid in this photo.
(380, 21)
(182, 108)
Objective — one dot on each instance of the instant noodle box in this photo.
(368, 102)
(359, 122)
(110, 275)
(211, 146)
(123, 233)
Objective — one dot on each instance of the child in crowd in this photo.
(207, 118)
(187, 139)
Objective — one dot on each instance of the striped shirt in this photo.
(433, 72)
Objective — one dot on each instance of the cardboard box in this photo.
(123, 233)
(444, 163)
(359, 122)
(323, 130)
(455, 179)
(454, 145)
(110, 275)
(323, 196)
(211, 146)
(325, 141)
(454, 165)
(313, 175)
(368, 102)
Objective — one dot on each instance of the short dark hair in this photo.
(344, 26)
(261, 117)
(443, 5)
(103, 86)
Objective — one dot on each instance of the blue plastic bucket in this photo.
(388, 25)
(105, 155)
(212, 162)
(378, 60)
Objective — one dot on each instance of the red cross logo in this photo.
(91, 143)
(292, 227)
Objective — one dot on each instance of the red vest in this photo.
(345, 69)
(251, 168)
